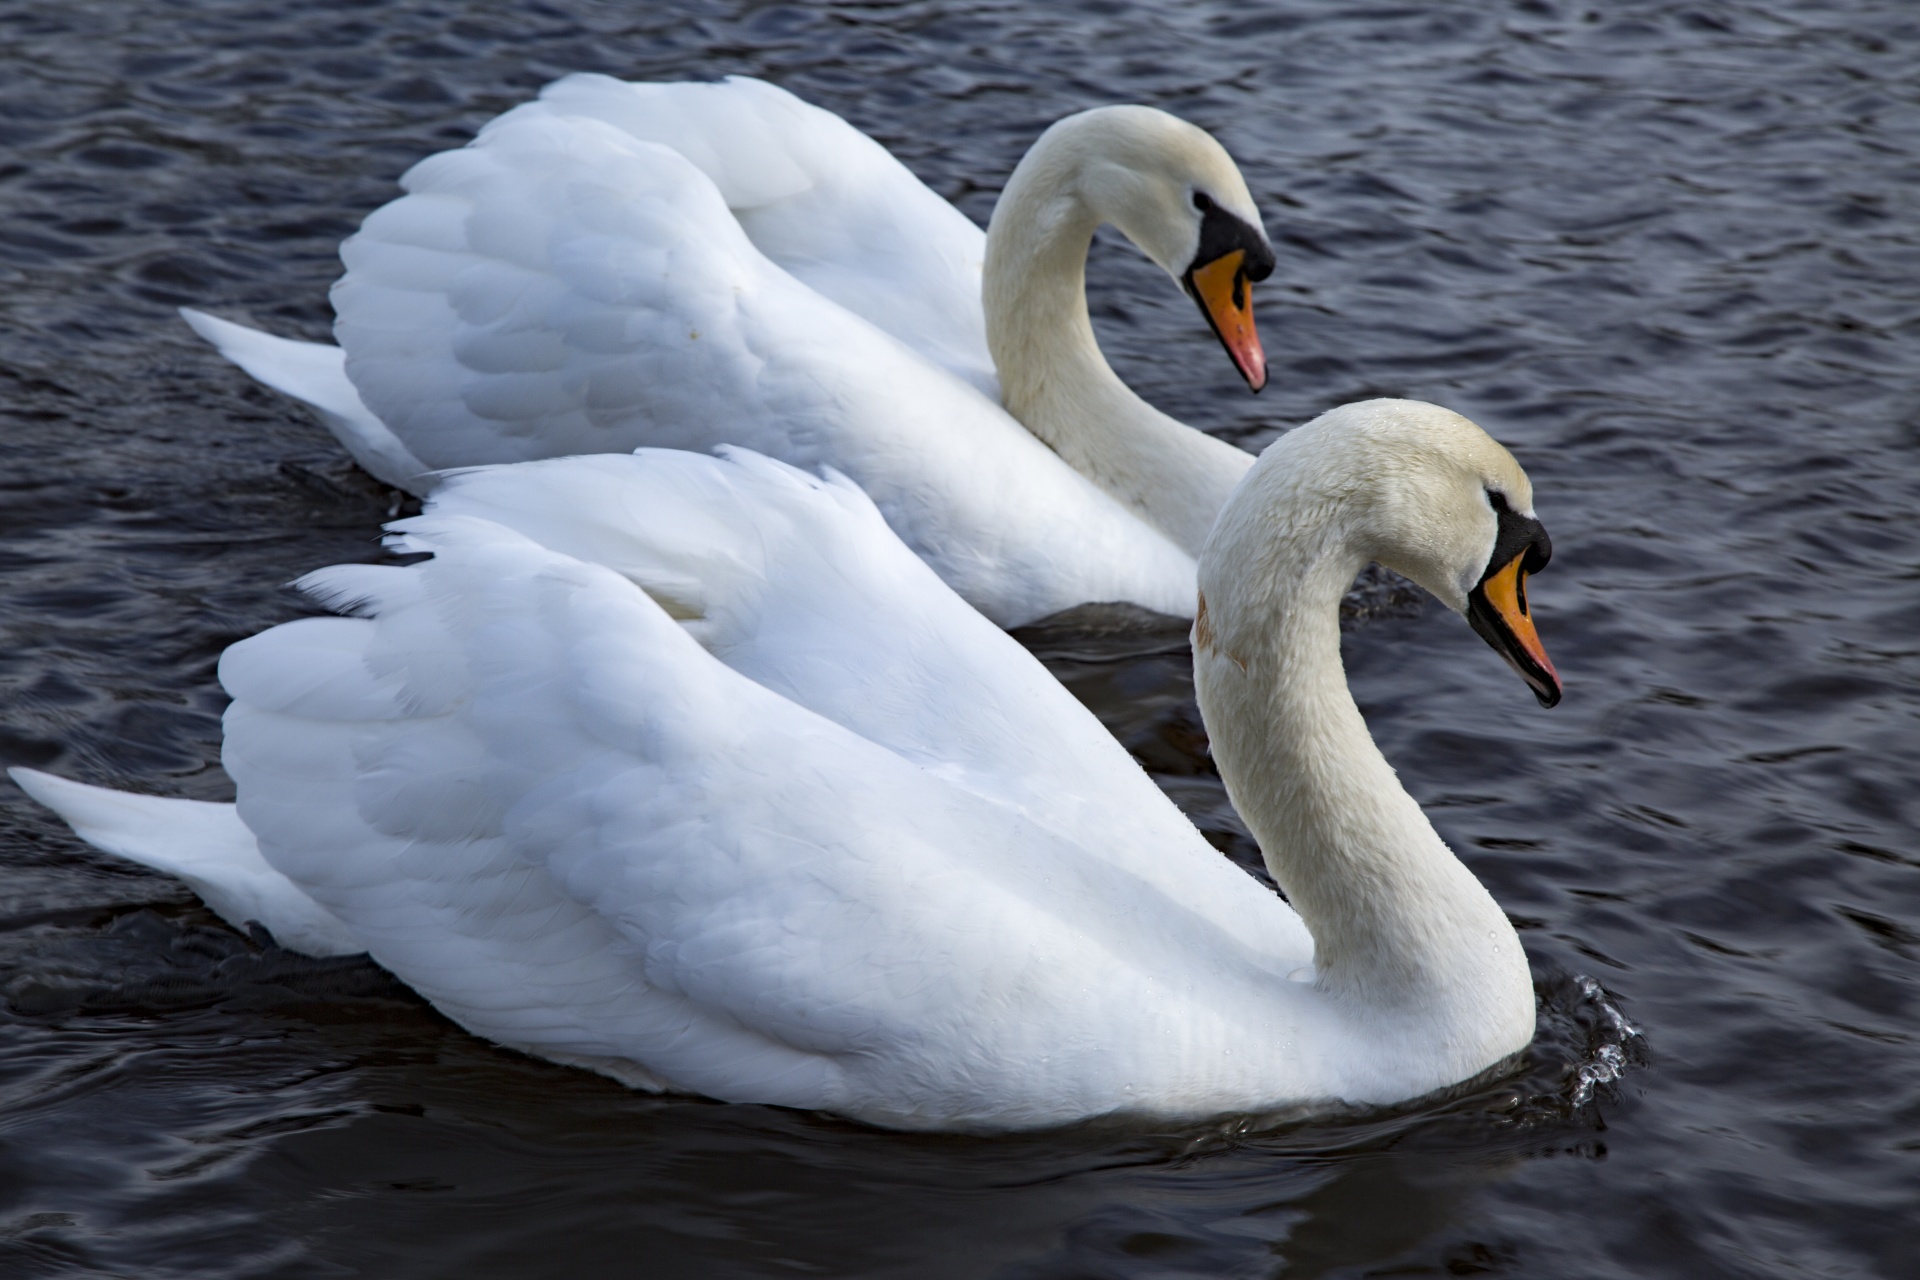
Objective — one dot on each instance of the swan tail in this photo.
(315, 374)
(205, 845)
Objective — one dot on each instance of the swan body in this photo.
(686, 770)
(685, 265)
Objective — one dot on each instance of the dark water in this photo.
(1667, 251)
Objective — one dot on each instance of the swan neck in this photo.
(1398, 922)
(1053, 377)
(1035, 296)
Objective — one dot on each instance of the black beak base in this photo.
(1220, 234)
(1497, 606)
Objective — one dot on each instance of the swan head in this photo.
(1173, 190)
(1428, 494)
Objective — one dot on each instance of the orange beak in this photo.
(1224, 292)
(1497, 608)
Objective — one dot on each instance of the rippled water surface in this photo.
(1667, 251)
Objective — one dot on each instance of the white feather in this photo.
(689, 265)
(816, 833)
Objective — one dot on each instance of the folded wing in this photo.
(603, 790)
(827, 203)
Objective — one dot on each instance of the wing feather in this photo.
(557, 812)
(796, 582)
(566, 285)
(827, 203)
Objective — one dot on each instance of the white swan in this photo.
(686, 265)
(687, 771)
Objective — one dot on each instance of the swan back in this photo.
(796, 582)
(827, 203)
(563, 287)
(593, 781)
(576, 823)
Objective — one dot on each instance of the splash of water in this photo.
(1614, 1044)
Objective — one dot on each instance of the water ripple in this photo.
(1667, 252)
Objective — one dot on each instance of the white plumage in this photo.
(686, 769)
(687, 265)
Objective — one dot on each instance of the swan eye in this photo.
(1203, 202)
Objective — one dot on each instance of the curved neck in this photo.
(1398, 923)
(1052, 375)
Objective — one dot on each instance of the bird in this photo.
(617, 265)
(684, 769)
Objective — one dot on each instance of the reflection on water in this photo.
(1667, 252)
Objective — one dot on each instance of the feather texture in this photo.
(686, 769)
(620, 265)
